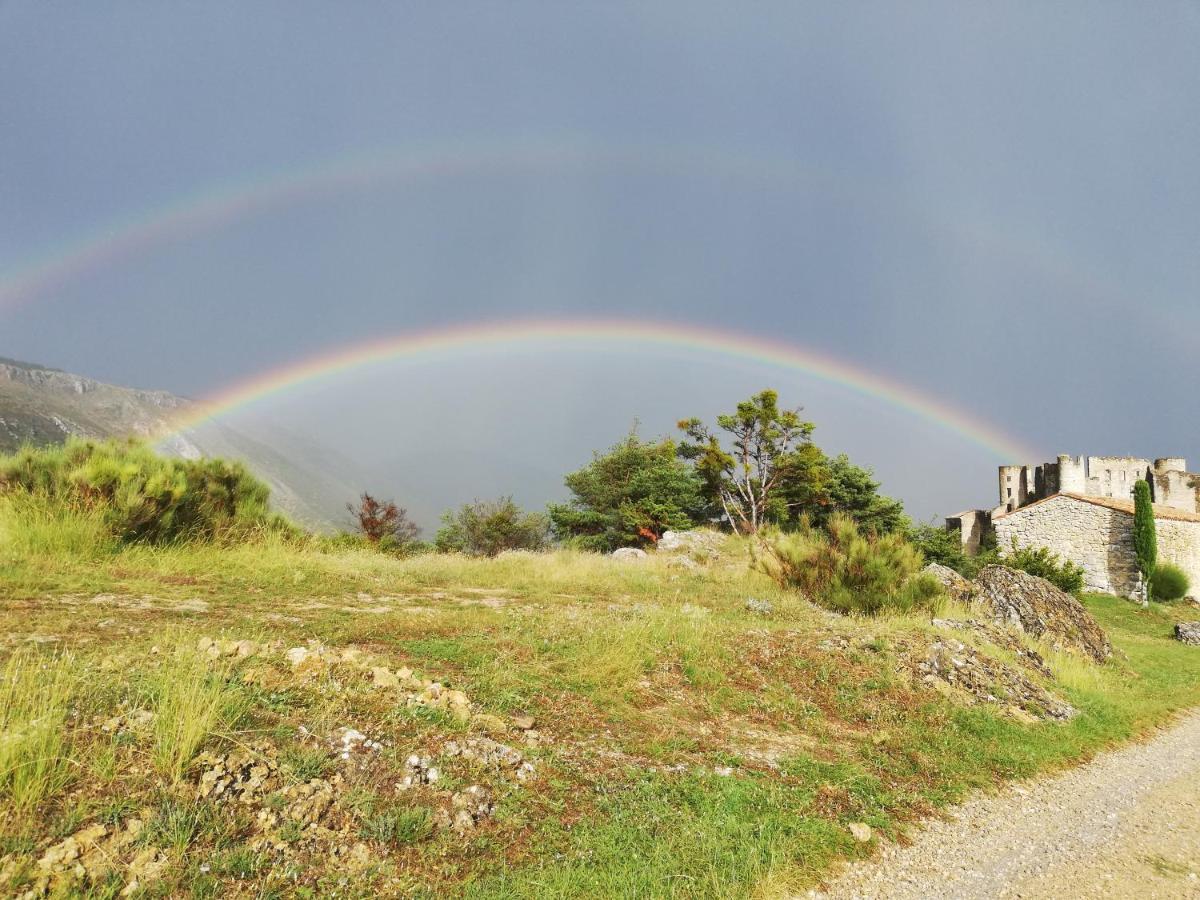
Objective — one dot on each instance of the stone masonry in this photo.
(1097, 534)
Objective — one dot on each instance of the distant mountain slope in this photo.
(40, 405)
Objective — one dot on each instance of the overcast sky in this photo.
(997, 204)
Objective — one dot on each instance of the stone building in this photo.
(1082, 509)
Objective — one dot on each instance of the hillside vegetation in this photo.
(258, 712)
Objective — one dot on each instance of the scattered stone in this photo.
(468, 809)
(524, 722)
(349, 742)
(723, 771)
(762, 607)
(861, 831)
(1187, 632)
(243, 775)
(297, 656)
(215, 649)
(420, 771)
(629, 554)
(384, 678)
(492, 755)
(493, 725)
(1038, 608)
(137, 720)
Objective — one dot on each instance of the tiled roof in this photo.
(1125, 506)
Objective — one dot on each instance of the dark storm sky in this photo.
(997, 204)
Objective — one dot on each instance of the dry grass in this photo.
(192, 699)
(35, 749)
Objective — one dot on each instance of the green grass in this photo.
(192, 698)
(35, 749)
(644, 679)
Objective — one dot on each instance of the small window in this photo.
(1010, 492)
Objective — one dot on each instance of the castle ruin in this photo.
(1082, 509)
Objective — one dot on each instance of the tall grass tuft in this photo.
(193, 698)
(847, 570)
(34, 746)
(34, 524)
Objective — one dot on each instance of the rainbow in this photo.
(604, 334)
(223, 203)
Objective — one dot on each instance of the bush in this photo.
(628, 496)
(489, 527)
(1064, 574)
(383, 523)
(1169, 582)
(846, 570)
(140, 495)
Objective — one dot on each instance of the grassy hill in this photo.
(286, 717)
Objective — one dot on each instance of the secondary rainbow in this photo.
(221, 204)
(604, 334)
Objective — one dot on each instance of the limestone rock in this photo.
(1038, 608)
(703, 543)
(861, 831)
(384, 678)
(1187, 632)
(959, 588)
(762, 607)
(629, 554)
(950, 664)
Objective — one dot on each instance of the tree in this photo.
(383, 522)
(489, 527)
(744, 482)
(629, 495)
(853, 490)
(1145, 541)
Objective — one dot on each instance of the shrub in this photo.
(847, 570)
(140, 495)
(1169, 582)
(383, 523)
(1040, 561)
(489, 527)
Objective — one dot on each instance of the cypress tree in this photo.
(1145, 542)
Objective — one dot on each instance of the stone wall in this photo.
(1098, 538)
(1177, 489)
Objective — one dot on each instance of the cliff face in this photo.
(45, 406)
(40, 405)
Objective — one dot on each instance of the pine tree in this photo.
(1145, 542)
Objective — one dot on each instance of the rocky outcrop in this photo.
(1187, 632)
(986, 680)
(956, 586)
(629, 554)
(1036, 607)
(699, 542)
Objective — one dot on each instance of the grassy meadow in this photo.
(681, 743)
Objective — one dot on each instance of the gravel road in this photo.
(1126, 824)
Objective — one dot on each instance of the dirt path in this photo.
(1125, 825)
